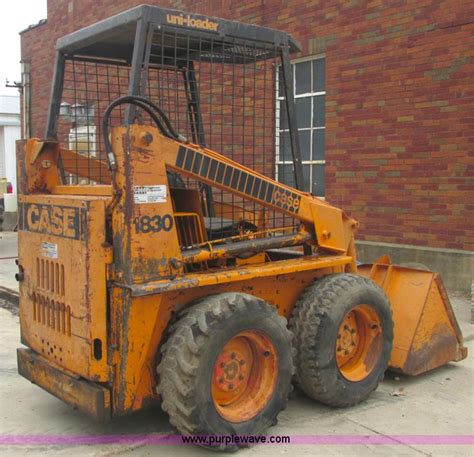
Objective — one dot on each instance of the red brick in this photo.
(421, 69)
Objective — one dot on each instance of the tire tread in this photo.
(312, 312)
(181, 353)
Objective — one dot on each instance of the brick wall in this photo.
(400, 102)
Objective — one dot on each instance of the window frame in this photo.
(312, 95)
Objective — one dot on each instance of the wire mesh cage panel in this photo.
(219, 93)
(88, 89)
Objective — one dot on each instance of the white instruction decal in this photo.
(149, 194)
(49, 250)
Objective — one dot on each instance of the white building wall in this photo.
(10, 131)
(2, 155)
(10, 135)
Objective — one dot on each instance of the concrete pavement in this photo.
(437, 403)
(8, 253)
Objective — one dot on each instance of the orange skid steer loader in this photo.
(158, 262)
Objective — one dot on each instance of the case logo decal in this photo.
(62, 221)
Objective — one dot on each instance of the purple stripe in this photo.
(383, 439)
(173, 440)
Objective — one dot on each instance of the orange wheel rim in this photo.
(244, 376)
(359, 343)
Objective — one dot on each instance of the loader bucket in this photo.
(426, 333)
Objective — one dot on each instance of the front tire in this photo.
(226, 367)
(343, 338)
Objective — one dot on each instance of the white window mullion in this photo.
(278, 131)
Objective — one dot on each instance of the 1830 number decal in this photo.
(153, 224)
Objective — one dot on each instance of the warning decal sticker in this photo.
(49, 250)
(149, 194)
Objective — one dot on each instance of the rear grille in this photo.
(50, 276)
(48, 305)
(52, 313)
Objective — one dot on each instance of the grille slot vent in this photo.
(52, 313)
(50, 276)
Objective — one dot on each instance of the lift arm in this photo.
(332, 229)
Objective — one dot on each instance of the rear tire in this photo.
(226, 367)
(343, 338)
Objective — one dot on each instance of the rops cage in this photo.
(215, 79)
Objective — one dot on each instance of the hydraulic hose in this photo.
(156, 113)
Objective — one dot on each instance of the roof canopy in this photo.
(114, 38)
